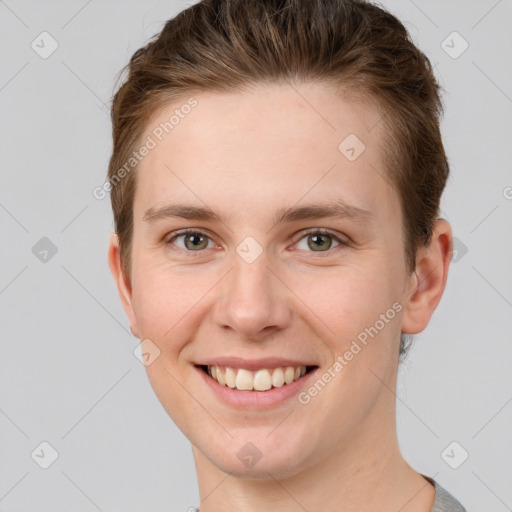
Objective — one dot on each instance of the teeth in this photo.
(289, 375)
(244, 380)
(230, 377)
(277, 378)
(261, 380)
(220, 376)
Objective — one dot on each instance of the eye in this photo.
(316, 240)
(192, 240)
(319, 240)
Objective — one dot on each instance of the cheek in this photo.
(343, 301)
(167, 301)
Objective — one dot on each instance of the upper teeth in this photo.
(260, 380)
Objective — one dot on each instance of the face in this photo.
(263, 242)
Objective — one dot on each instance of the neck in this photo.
(367, 472)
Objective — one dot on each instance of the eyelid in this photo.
(342, 243)
(323, 231)
(303, 233)
(175, 234)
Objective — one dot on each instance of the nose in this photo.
(252, 301)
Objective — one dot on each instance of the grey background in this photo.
(68, 375)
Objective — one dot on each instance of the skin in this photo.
(246, 156)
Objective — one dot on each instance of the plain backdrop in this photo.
(68, 374)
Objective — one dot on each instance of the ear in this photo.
(428, 281)
(123, 285)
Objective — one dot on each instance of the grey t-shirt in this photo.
(443, 502)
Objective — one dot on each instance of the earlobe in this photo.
(428, 281)
(122, 282)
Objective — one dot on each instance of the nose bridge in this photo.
(253, 299)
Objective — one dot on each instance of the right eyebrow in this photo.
(181, 211)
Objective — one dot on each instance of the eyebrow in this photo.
(338, 209)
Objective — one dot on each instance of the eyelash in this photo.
(315, 231)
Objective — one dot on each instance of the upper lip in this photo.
(253, 364)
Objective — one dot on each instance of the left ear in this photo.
(428, 281)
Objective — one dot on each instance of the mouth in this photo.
(263, 379)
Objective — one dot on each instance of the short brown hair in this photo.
(354, 45)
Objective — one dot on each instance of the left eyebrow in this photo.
(338, 209)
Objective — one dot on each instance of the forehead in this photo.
(275, 143)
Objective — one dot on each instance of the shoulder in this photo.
(444, 501)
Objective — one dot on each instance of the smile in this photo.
(263, 379)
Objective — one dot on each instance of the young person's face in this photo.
(249, 292)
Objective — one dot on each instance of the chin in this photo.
(257, 456)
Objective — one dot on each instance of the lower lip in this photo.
(255, 399)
